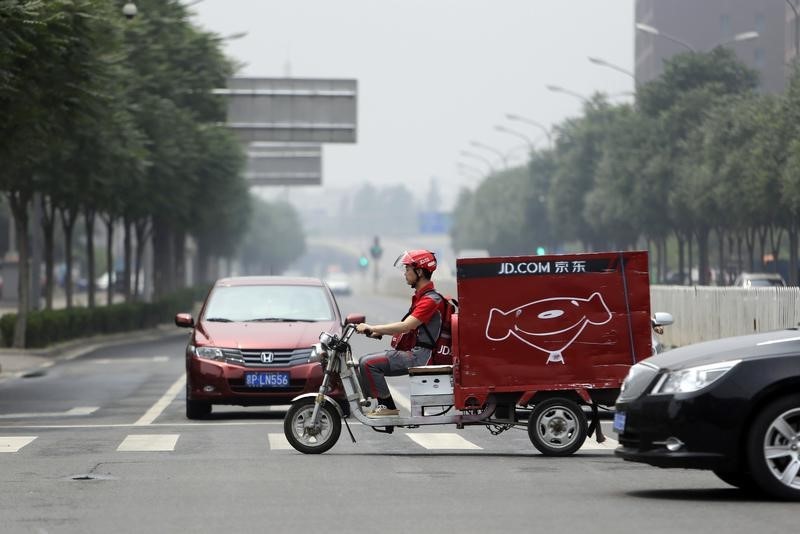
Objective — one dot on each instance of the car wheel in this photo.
(772, 448)
(197, 409)
(302, 437)
(738, 479)
(557, 427)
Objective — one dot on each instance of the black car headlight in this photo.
(692, 379)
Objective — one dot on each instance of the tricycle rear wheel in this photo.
(557, 427)
(305, 439)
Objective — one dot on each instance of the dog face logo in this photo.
(550, 325)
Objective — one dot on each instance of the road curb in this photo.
(15, 363)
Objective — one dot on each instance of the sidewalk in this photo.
(21, 362)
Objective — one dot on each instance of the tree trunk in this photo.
(681, 260)
(179, 252)
(48, 231)
(750, 239)
(109, 220)
(793, 253)
(68, 218)
(702, 256)
(689, 242)
(126, 252)
(762, 241)
(739, 258)
(775, 238)
(89, 215)
(721, 252)
(163, 258)
(19, 201)
(140, 227)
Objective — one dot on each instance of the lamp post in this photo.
(559, 89)
(502, 156)
(603, 63)
(513, 117)
(473, 155)
(510, 131)
(646, 28)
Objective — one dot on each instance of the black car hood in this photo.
(731, 348)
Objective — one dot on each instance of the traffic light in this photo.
(363, 261)
(376, 250)
(540, 251)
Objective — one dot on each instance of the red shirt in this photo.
(423, 306)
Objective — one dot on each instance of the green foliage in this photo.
(46, 327)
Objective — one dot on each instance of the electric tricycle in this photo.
(543, 342)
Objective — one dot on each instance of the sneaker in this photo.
(383, 411)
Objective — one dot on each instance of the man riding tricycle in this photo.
(541, 341)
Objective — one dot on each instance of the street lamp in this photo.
(510, 131)
(646, 28)
(473, 155)
(502, 156)
(559, 89)
(603, 63)
(740, 38)
(129, 10)
(513, 117)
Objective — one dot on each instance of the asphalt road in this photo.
(100, 444)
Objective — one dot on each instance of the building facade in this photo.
(703, 25)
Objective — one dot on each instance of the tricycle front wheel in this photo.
(303, 436)
(557, 427)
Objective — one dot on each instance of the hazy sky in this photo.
(433, 75)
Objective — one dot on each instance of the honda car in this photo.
(731, 406)
(252, 339)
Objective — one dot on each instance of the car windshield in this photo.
(268, 303)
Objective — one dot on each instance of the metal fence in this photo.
(705, 313)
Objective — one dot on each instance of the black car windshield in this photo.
(269, 303)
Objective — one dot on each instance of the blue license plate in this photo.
(619, 422)
(266, 380)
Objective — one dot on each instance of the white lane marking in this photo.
(14, 443)
(591, 445)
(162, 403)
(148, 442)
(154, 425)
(278, 442)
(80, 410)
(442, 441)
(399, 399)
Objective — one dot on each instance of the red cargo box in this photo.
(529, 324)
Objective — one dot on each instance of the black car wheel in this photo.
(557, 427)
(772, 448)
(304, 438)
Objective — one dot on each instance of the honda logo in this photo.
(267, 357)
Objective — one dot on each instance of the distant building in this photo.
(704, 24)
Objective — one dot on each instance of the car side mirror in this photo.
(184, 320)
(662, 319)
(355, 318)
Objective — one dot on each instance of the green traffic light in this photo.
(540, 251)
(363, 261)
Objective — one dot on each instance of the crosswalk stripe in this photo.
(444, 440)
(148, 442)
(14, 443)
(278, 442)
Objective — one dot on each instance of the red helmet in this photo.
(417, 259)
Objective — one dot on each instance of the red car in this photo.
(252, 341)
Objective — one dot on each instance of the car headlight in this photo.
(211, 353)
(693, 378)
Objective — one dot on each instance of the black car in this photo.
(730, 405)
